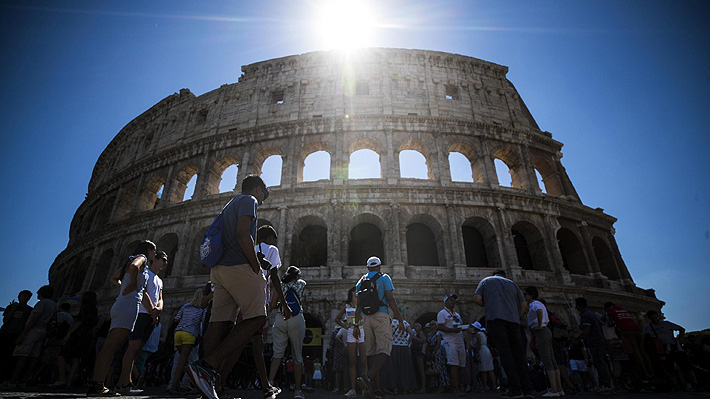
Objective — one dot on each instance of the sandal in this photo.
(98, 389)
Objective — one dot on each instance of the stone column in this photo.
(509, 257)
(91, 271)
(587, 242)
(334, 260)
(139, 193)
(388, 162)
(553, 248)
(168, 195)
(529, 172)
(203, 176)
(489, 166)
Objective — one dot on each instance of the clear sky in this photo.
(623, 84)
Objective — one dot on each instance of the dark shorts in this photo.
(142, 329)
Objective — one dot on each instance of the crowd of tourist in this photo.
(518, 347)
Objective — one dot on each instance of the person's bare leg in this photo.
(275, 363)
(72, 373)
(215, 335)
(239, 335)
(422, 373)
(257, 346)
(352, 362)
(114, 340)
(297, 374)
(129, 359)
(363, 358)
(184, 350)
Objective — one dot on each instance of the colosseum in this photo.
(436, 234)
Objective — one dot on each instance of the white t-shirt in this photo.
(152, 289)
(532, 314)
(450, 318)
(271, 253)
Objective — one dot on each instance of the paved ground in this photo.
(159, 393)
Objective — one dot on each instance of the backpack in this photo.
(211, 249)
(293, 302)
(368, 299)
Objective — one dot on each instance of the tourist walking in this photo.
(505, 305)
(13, 318)
(132, 277)
(355, 345)
(449, 323)
(379, 296)
(239, 285)
(591, 333)
(290, 329)
(537, 321)
(399, 371)
(150, 308)
(189, 321)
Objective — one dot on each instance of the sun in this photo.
(343, 24)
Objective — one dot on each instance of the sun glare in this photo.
(346, 24)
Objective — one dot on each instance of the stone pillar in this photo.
(455, 240)
(119, 197)
(529, 172)
(620, 265)
(587, 242)
(389, 162)
(335, 262)
(440, 169)
(509, 258)
(168, 195)
(91, 271)
(489, 166)
(553, 249)
(203, 176)
(139, 193)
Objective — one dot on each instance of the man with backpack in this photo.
(239, 285)
(374, 296)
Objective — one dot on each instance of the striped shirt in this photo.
(190, 317)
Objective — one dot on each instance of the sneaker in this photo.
(271, 392)
(203, 376)
(299, 395)
(511, 395)
(100, 390)
(562, 393)
(351, 394)
(550, 394)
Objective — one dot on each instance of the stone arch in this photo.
(477, 169)
(480, 243)
(149, 195)
(307, 151)
(79, 272)
(366, 238)
(180, 184)
(169, 244)
(364, 144)
(214, 178)
(126, 201)
(550, 177)
(572, 250)
(425, 239)
(419, 147)
(309, 243)
(605, 258)
(102, 269)
(261, 156)
(515, 166)
(530, 246)
(103, 216)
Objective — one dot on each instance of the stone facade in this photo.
(435, 235)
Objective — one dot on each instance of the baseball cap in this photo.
(450, 296)
(374, 261)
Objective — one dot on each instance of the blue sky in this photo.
(622, 84)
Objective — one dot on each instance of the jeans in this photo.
(507, 340)
(598, 353)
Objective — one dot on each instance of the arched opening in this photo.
(572, 252)
(460, 167)
(153, 190)
(310, 247)
(271, 170)
(228, 179)
(480, 243)
(190, 188)
(421, 246)
(540, 182)
(169, 244)
(184, 184)
(605, 259)
(316, 166)
(126, 201)
(102, 269)
(365, 241)
(503, 172)
(413, 165)
(104, 215)
(364, 164)
(530, 247)
(547, 176)
(425, 318)
(79, 274)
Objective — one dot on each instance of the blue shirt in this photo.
(501, 298)
(384, 283)
(241, 205)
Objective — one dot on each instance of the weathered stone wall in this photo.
(385, 100)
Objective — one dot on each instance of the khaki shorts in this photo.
(31, 345)
(237, 288)
(378, 334)
(455, 354)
